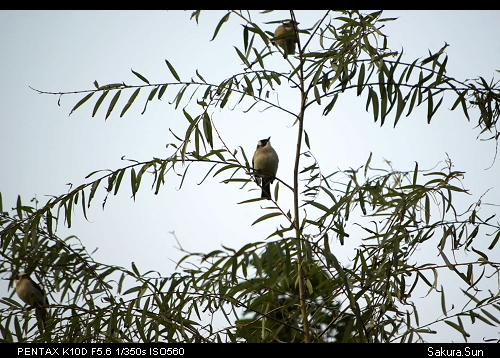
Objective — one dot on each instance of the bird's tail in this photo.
(42, 316)
(266, 191)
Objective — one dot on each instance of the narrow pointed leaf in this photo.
(429, 106)
(99, 101)
(150, 98)
(361, 79)
(443, 302)
(265, 217)
(82, 101)
(495, 240)
(245, 38)
(162, 91)
(400, 107)
(207, 129)
(242, 56)
(113, 103)
(172, 70)
(374, 100)
(219, 25)
(130, 101)
(141, 77)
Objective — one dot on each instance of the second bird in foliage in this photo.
(284, 37)
(31, 294)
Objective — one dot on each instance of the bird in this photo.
(284, 37)
(265, 164)
(31, 294)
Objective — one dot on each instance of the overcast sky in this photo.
(43, 148)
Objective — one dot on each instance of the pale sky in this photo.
(43, 148)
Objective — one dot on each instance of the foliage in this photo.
(294, 286)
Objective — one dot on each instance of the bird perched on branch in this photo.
(285, 37)
(31, 294)
(265, 163)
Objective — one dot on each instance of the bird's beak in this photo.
(268, 138)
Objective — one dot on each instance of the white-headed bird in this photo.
(265, 164)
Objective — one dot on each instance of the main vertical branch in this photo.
(298, 234)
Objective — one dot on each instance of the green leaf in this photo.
(119, 180)
(265, 217)
(276, 77)
(319, 206)
(415, 174)
(374, 100)
(179, 95)
(362, 202)
(153, 93)
(309, 286)
(68, 210)
(207, 129)
(318, 73)
(367, 164)
(306, 138)
(329, 107)
(412, 66)
(172, 70)
(136, 271)
(150, 98)
(196, 15)
(19, 208)
(249, 201)
(226, 167)
(427, 209)
(200, 77)
(245, 37)
(490, 316)
(49, 218)
(316, 95)
(130, 101)
(113, 103)
(494, 242)
(242, 57)
(226, 97)
(261, 63)
(429, 106)
(162, 91)
(82, 101)
(234, 269)
(249, 88)
(141, 77)
(99, 101)
(133, 181)
(443, 302)
(458, 327)
(83, 205)
(361, 79)
(400, 107)
(255, 29)
(442, 70)
(221, 22)
(383, 107)
(412, 102)
(93, 189)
